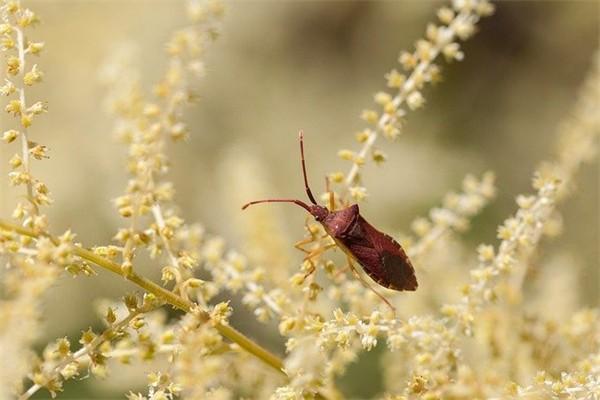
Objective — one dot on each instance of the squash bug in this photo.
(381, 257)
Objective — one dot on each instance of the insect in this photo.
(380, 256)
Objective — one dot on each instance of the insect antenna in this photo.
(308, 192)
(297, 202)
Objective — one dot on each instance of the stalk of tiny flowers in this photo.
(577, 143)
(180, 286)
(156, 208)
(430, 346)
(521, 231)
(421, 334)
(24, 138)
(454, 214)
(16, 19)
(232, 272)
(90, 344)
(520, 234)
(166, 121)
(174, 85)
(441, 40)
(173, 91)
(582, 382)
(161, 293)
(81, 362)
(525, 229)
(71, 363)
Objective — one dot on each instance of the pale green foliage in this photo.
(445, 351)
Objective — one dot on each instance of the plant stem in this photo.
(166, 295)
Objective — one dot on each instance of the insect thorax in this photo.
(319, 212)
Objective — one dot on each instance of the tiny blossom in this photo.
(37, 108)
(10, 135)
(35, 47)
(33, 76)
(346, 155)
(452, 52)
(8, 88)
(446, 15)
(383, 98)
(407, 60)
(358, 193)
(415, 100)
(14, 107)
(369, 116)
(13, 65)
(425, 48)
(395, 79)
(378, 156)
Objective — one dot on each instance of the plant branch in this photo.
(161, 293)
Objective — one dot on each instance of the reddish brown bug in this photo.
(381, 257)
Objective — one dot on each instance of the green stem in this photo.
(166, 295)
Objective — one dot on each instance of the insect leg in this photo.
(310, 271)
(317, 252)
(366, 284)
(300, 244)
(341, 271)
(312, 254)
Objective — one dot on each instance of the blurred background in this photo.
(284, 66)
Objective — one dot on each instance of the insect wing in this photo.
(382, 258)
(396, 265)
